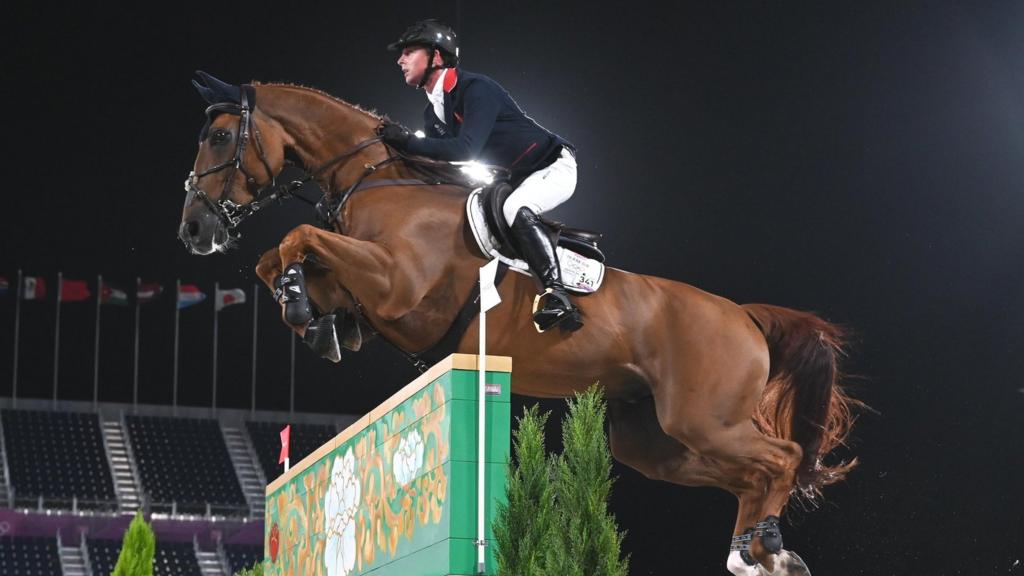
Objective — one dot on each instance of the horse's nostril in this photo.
(192, 228)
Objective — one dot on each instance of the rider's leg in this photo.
(540, 192)
(536, 246)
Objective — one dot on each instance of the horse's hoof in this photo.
(322, 338)
(787, 563)
(351, 335)
(738, 566)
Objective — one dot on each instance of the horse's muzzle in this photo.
(203, 234)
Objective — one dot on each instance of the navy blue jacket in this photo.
(483, 123)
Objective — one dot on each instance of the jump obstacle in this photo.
(395, 493)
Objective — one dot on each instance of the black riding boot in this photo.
(536, 246)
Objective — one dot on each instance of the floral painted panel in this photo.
(378, 498)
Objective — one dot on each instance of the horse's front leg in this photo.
(269, 267)
(322, 294)
(366, 270)
(335, 269)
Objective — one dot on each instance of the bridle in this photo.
(229, 212)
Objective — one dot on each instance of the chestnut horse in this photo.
(701, 391)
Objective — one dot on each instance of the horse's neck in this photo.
(426, 216)
(319, 128)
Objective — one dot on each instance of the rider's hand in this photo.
(394, 134)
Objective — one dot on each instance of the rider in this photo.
(471, 117)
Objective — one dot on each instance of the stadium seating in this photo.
(171, 558)
(26, 556)
(59, 456)
(266, 438)
(241, 556)
(185, 461)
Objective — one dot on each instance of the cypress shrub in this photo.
(557, 521)
(137, 549)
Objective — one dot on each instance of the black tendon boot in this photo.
(290, 291)
(536, 246)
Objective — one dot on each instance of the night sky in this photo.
(863, 161)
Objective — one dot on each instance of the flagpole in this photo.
(135, 356)
(177, 312)
(291, 379)
(56, 338)
(17, 330)
(255, 327)
(96, 347)
(216, 315)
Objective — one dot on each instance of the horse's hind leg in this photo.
(760, 471)
(637, 440)
(705, 400)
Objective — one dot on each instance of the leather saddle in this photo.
(583, 242)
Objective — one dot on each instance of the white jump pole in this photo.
(489, 298)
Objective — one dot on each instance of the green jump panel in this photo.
(396, 492)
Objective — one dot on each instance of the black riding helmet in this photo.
(432, 34)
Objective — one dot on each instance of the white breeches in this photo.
(544, 189)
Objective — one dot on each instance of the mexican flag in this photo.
(110, 294)
(189, 295)
(33, 288)
(229, 298)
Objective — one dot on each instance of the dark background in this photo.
(863, 160)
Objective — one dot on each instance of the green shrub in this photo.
(557, 521)
(256, 570)
(137, 549)
(523, 526)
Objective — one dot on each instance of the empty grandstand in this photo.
(57, 460)
(74, 473)
(29, 556)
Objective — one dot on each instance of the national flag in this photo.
(74, 290)
(148, 292)
(110, 294)
(189, 295)
(286, 435)
(229, 298)
(33, 288)
(4, 286)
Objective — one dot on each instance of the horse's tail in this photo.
(803, 400)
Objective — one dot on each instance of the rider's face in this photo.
(413, 62)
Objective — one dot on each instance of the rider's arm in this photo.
(481, 111)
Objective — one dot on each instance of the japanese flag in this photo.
(229, 297)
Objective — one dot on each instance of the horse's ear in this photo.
(215, 91)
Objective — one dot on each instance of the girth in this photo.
(449, 342)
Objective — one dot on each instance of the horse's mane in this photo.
(425, 168)
(371, 113)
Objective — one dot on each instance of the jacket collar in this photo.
(451, 78)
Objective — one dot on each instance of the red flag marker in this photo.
(286, 434)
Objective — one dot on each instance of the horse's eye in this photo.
(218, 137)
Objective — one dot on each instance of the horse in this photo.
(701, 391)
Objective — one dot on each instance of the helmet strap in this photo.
(430, 67)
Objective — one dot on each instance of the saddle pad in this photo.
(580, 274)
